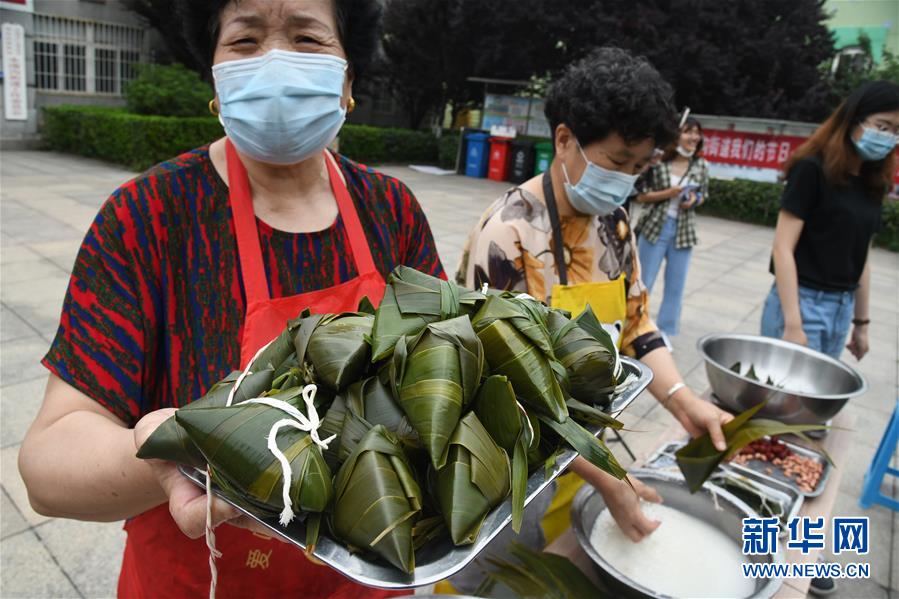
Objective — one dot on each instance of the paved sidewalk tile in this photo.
(20, 360)
(30, 572)
(11, 520)
(12, 327)
(19, 404)
(90, 553)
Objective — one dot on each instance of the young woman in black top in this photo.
(830, 210)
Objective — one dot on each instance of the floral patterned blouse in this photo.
(511, 248)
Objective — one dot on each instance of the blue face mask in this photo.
(282, 107)
(874, 145)
(600, 191)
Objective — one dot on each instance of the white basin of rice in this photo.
(684, 557)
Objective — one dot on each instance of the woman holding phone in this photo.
(667, 227)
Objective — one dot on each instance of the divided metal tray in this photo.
(439, 560)
(786, 498)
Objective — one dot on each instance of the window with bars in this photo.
(78, 56)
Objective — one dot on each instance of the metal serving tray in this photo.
(758, 469)
(439, 560)
(787, 497)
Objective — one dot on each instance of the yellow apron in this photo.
(609, 302)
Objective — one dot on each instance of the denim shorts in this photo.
(826, 317)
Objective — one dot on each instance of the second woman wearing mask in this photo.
(667, 227)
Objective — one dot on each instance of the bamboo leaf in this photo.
(698, 459)
(332, 424)
(535, 574)
(313, 525)
(509, 352)
(234, 442)
(475, 478)
(591, 449)
(412, 300)
(586, 414)
(427, 530)
(372, 400)
(588, 354)
(170, 442)
(508, 426)
(377, 499)
(278, 351)
(336, 346)
(432, 375)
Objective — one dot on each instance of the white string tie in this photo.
(298, 421)
(246, 371)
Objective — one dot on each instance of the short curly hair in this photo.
(358, 27)
(611, 91)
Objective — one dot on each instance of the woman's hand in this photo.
(858, 342)
(187, 501)
(795, 334)
(623, 501)
(674, 191)
(624, 505)
(699, 416)
(690, 201)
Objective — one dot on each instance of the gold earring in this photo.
(351, 104)
(213, 108)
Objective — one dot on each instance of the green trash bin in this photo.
(544, 155)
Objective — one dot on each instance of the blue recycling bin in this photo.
(477, 153)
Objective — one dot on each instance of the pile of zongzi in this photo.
(388, 429)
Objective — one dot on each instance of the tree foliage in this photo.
(849, 79)
(168, 90)
(756, 58)
(162, 16)
(760, 58)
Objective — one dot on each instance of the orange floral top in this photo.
(511, 248)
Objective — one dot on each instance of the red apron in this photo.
(159, 560)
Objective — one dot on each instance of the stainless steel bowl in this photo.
(809, 387)
(725, 513)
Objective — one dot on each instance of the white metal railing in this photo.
(85, 57)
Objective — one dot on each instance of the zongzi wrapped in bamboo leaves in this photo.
(507, 333)
(507, 423)
(372, 399)
(234, 441)
(170, 442)
(336, 345)
(588, 353)
(475, 478)
(332, 425)
(279, 350)
(412, 300)
(435, 375)
(377, 500)
(698, 459)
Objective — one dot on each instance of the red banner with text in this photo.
(753, 150)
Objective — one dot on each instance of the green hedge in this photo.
(140, 141)
(759, 203)
(382, 144)
(448, 147)
(137, 141)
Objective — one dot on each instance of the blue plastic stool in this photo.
(880, 467)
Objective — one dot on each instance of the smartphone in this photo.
(686, 190)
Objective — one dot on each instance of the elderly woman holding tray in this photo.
(194, 265)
